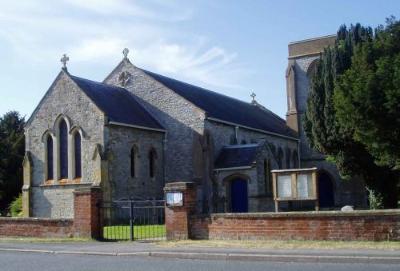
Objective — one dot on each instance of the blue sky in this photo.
(232, 47)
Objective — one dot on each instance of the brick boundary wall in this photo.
(86, 222)
(369, 225)
(36, 227)
(177, 217)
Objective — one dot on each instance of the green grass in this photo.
(122, 232)
(280, 244)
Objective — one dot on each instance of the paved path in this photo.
(12, 261)
(190, 252)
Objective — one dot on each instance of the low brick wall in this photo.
(377, 225)
(36, 227)
(86, 222)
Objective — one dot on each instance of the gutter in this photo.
(136, 126)
(253, 129)
(233, 168)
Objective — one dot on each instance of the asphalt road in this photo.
(20, 261)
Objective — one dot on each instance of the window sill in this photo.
(64, 182)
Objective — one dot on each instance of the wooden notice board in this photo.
(295, 185)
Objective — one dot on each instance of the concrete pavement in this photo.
(10, 261)
(205, 253)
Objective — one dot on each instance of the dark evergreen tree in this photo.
(323, 129)
(367, 102)
(12, 148)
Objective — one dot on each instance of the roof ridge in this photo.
(247, 114)
(205, 89)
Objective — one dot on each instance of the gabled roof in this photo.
(235, 156)
(118, 104)
(224, 108)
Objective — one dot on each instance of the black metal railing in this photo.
(133, 220)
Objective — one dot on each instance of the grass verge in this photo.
(294, 244)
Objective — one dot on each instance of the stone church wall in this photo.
(120, 142)
(65, 98)
(223, 134)
(183, 121)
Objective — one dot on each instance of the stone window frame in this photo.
(152, 158)
(63, 157)
(295, 158)
(267, 176)
(55, 134)
(71, 153)
(48, 133)
(280, 157)
(134, 156)
(288, 158)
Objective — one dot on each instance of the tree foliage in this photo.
(367, 95)
(327, 120)
(12, 148)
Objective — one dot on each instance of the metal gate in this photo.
(133, 220)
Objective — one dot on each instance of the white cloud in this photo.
(97, 48)
(120, 7)
(89, 30)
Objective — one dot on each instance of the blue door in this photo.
(325, 191)
(239, 196)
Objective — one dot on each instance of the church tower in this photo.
(303, 55)
(302, 60)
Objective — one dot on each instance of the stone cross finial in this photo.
(253, 95)
(125, 52)
(64, 61)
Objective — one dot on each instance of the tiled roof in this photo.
(236, 156)
(225, 108)
(117, 103)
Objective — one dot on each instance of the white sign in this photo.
(303, 184)
(284, 186)
(174, 198)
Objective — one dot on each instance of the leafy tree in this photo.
(12, 148)
(367, 100)
(16, 206)
(330, 136)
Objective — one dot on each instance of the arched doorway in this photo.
(239, 198)
(325, 190)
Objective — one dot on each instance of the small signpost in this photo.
(295, 185)
(174, 198)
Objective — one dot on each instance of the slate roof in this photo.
(225, 108)
(117, 103)
(236, 156)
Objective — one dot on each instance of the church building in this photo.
(138, 130)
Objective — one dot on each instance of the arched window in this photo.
(152, 162)
(280, 158)
(63, 149)
(288, 158)
(77, 153)
(133, 161)
(295, 159)
(49, 146)
(268, 177)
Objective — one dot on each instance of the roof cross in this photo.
(125, 52)
(64, 61)
(253, 95)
